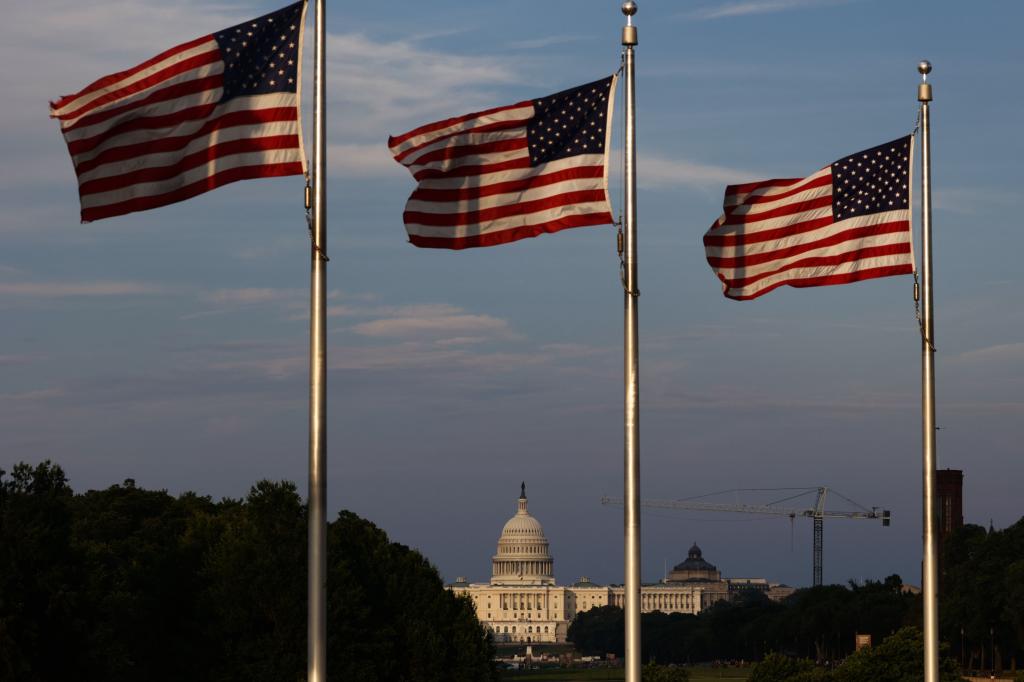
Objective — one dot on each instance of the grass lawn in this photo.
(699, 674)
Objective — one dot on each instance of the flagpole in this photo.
(632, 365)
(317, 515)
(930, 565)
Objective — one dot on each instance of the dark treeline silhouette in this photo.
(981, 602)
(134, 584)
(897, 658)
(982, 593)
(817, 623)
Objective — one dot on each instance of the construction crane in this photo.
(817, 512)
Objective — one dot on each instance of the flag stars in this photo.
(871, 186)
(255, 61)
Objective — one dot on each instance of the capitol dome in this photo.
(523, 555)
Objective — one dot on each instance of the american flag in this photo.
(848, 222)
(211, 111)
(512, 172)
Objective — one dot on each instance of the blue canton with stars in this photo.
(872, 181)
(262, 55)
(568, 123)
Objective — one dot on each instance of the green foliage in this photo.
(133, 584)
(982, 593)
(599, 631)
(899, 658)
(652, 672)
(817, 623)
(39, 587)
(395, 619)
(776, 667)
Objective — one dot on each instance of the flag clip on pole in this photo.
(317, 514)
(631, 481)
(929, 579)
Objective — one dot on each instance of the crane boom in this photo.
(818, 513)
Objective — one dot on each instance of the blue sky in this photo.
(170, 346)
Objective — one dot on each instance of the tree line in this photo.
(817, 623)
(129, 584)
(981, 615)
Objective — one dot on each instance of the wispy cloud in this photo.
(546, 41)
(396, 85)
(970, 200)
(15, 360)
(363, 161)
(420, 325)
(1012, 353)
(659, 172)
(79, 289)
(37, 395)
(738, 9)
(249, 296)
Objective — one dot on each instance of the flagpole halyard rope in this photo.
(917, 286)
(917, 314)
(309, 222)
(619, 237)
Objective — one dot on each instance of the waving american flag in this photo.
(221, 108)
(848, 222)
(517, 171)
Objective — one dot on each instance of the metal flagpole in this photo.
(317, 516)
(930, 568)
(632, 366)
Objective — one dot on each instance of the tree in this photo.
(41, 628)
(599, 631)
(392, 617)
(982, 589)
(777, 667)
(129, 584)
(899, 658)
(256, 586)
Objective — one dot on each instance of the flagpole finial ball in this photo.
(924, 67)
(629, 8)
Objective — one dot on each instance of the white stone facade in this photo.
(522, 603)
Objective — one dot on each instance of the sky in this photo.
(170, 346)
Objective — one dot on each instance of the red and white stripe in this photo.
(158, 133)
(781, 232)
(477, 187)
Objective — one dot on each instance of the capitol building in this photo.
(522, 603)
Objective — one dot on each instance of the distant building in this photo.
(949, 486)
(523, 604)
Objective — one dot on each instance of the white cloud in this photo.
(249, 296)
(393, 86)
(738, 9)
(459, 341)
(76, 289)
(37, 395)
(658, 172)
(363, 161)
(280, 367)
(1010, 353)
(971, 200)
(546, 41)
(408, 326)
